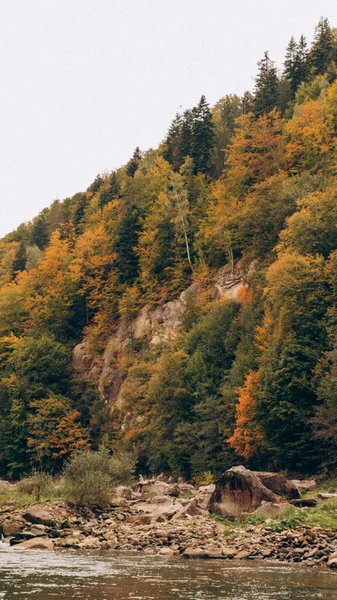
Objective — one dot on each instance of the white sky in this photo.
(83, 82)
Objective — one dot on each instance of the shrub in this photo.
(90, 477)
(204, 478)
(38, 483)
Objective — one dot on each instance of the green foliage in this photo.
(91, 477)
(266, 87)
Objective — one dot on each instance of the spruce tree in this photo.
(133, 163)
(323, 50)
(19, 261)
(110, 192)
(203, 136)
(172, 151)
(266, 87)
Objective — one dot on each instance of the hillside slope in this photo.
(185, 305)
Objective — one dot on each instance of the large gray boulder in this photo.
(239, 490)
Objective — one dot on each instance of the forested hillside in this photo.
(248, 189)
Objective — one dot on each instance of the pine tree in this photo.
(266, 87)
(110, 192)
(19, 261)
(96, 184)
(290, 65)
(203, 136)
(186, 142)
(323, 51)
(133, 163)
(172, 152)
(39, 232)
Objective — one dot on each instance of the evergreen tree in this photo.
(186, 142)
(110, 192)
(172, 152)
(296, 63)
(203, 136)
(39, 232)
(19, 261)
(133, 163)
(266, 87)
(323, 50)
(97, 184)
(125, 244)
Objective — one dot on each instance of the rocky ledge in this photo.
(173, 519)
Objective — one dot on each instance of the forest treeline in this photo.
(251, 181)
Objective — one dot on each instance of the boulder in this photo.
(150, 489)
(203, 496)
(36, 544)
(199, 505)
(242, 554)
(124, 492)
(239, 490)
(12, 526)
(304, 502)
(304, 485)
(278, 484)
(39, 514)
(5, 485)
(270, 509)
(194, 553)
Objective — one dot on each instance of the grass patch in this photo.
(324, 514)
(23, 494)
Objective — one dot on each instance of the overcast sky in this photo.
(83, 82)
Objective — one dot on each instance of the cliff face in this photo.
(157, 326)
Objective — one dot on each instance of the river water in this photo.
(39, 575)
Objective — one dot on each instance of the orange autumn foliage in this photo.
(248, 436)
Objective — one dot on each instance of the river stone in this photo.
(332, 563)
(39, 514)
(194, 553)
(36, 544)
(229, 552)
(241, 555)
(11, 526)
(239, 490)
(166, 552)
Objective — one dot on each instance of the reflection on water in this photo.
(59, 575)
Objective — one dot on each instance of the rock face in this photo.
(239, 490)
(278, 484)
(160, 325)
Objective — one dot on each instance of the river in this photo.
(39, 575)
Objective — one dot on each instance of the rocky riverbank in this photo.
(173, 519)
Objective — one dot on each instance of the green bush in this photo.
(91, 477)
(38, 484)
